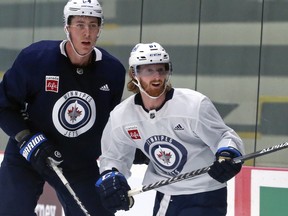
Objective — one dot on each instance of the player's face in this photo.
(83, 33)
(152, 78)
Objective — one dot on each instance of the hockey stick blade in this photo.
(203, 170)
(67, 185)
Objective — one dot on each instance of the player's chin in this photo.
(85, 50)
(155, 92)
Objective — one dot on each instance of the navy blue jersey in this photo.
(69, 104)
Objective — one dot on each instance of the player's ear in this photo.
(132, 73)
(66, 30)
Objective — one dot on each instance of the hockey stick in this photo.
(67, 185)
(203, 170)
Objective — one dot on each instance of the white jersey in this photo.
(181, 136)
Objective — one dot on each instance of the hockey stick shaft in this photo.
(67, 185)
(261, 152)
(203, 170)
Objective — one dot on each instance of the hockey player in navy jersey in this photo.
(54, 103)
(179, 130)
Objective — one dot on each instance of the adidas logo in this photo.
(178, 127)
(105, 88)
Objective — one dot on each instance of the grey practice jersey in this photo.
(183, 135)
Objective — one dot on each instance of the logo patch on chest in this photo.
(133, 132)
(52, 83)
(166, 153)
(74, 113)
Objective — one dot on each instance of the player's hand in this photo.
(37, 149)
(113, 190)
(223, 169)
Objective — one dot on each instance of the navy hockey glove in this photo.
(223, 169)
(113, 189)
(37, 149)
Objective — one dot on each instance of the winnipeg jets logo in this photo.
(74, 113)
(165, 157)
(166, 154)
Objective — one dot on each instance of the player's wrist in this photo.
(22, 134)
(227, 152)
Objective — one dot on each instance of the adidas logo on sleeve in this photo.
(104, 88)
(178, 127)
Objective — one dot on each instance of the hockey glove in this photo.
(223, 169)
(113, 189)
(37, 149)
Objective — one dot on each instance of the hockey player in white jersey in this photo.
(179, 130)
